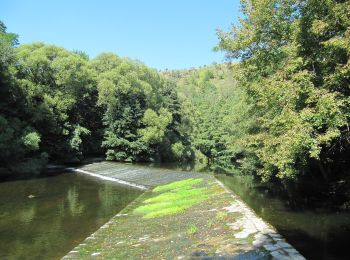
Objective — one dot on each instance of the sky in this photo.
(163, 34)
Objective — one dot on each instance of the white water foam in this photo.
(108, 178)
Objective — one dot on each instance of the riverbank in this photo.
(194, 217)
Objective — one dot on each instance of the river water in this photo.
(44, 218)
(317, 233)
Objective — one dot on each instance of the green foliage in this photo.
(178, 150)
(208, 96)
(31, 141)
(18, 139)
(294, 67)
(155, 125)
(60, 95)
(77, 139)
(141, 115)
(63, 104)
(281, 112)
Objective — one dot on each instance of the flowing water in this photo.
(44, 218)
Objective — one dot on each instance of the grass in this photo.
(173, 198)
(221, 216)
(210, 223)
(192, 229)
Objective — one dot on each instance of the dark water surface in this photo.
(317, 234)
(65, 209)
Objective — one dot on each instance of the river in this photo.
(44, 218)
(317, 233)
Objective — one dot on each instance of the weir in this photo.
(144, 177)
(222, 226)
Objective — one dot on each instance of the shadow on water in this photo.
(46, 217)
(318, 233)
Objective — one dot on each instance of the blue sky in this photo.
(163, 34)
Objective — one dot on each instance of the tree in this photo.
(294, 66)
(139, 113)
(19, 141)
(61, 97)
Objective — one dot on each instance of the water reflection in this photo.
(27, 214)
(108, 198)
(45, 218)
(317, 233)
(75, 208)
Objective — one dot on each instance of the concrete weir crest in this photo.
(141, 187)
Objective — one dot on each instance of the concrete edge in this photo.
(269, 238)
(74, 251)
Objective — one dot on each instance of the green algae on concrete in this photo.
(174, 197)
(214, 224)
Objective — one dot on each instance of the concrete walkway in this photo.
(219, 227)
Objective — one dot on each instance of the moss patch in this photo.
(183, 184)
(174, 197)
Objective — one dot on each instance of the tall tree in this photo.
(19, 140)
(295, 67)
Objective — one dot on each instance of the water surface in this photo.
(317, 233)
(45, 218)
